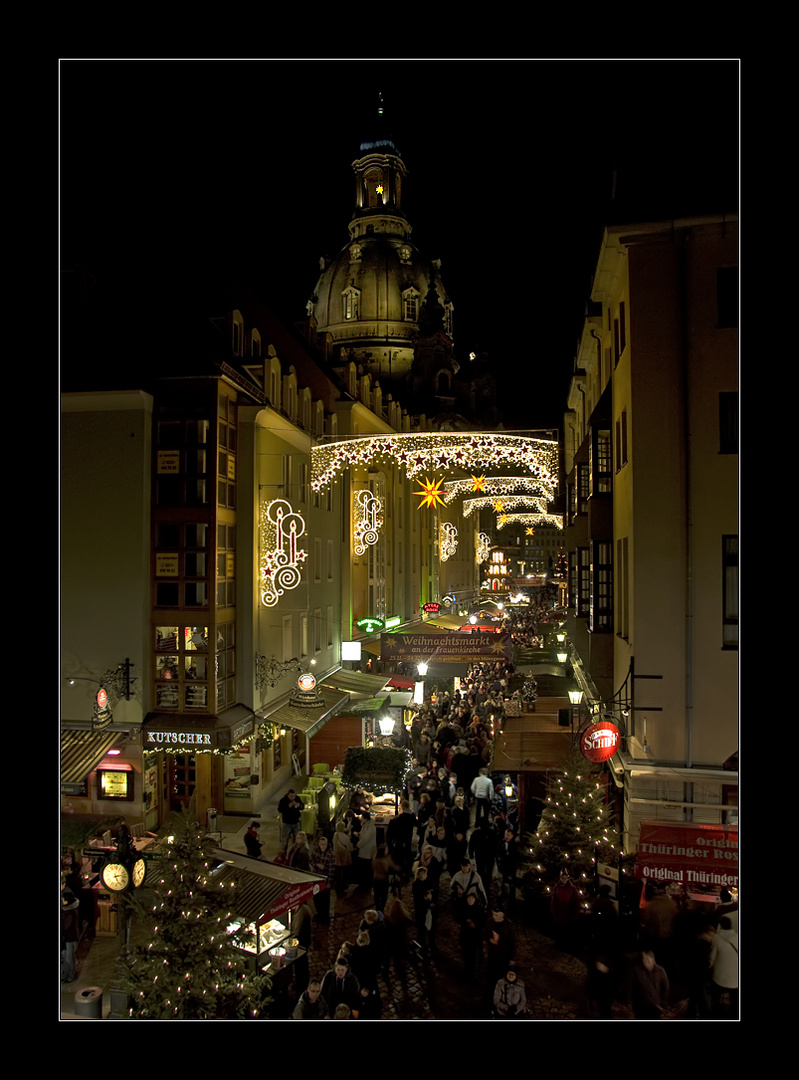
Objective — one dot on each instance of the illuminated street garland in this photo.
(280, 558)
(499, 485)
(367, 520)
(428, 452)
(530, 519)
(509, 502)
(449, 540)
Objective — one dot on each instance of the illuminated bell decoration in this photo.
(367, 520)
(448, 541)
(281, 528)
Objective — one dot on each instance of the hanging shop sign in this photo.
(395, 620)
(698, 856)
(432, 608)
(369, 625)
(600, 741)
(454, 648)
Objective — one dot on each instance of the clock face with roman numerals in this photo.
(115, 876)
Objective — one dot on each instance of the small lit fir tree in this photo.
(575, 831)
(189, 970)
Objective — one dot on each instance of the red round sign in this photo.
(102, 698)
(600, 741)
(306, 681)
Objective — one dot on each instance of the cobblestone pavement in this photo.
(421, 989)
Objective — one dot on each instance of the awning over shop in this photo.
(263, 890)
(309, 720)
(372, 647)
(81, 753)
(445, 622)
(356, 682)
(162, 730)
(697, 856)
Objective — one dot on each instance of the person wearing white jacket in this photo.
(724, 970)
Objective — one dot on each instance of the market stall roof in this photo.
(82, 751)
(401, 682)
(357, 682)
(401, 700)
(446, 622)
(263, 890)
(310, 720)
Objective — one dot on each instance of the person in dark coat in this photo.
(340, 987)
(252, 841)
(311, 1005)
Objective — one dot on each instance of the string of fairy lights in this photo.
(555, 520)
(505, 503)
(428, 452)
(497, 485)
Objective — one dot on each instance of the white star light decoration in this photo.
(281, 528)
(430, 452)
(509, 502)
(530, 519)
(499, 485)
(448, 543)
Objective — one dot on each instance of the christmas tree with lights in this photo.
(575, 831)
(189, 969)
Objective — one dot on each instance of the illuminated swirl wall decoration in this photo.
(483, 547)
(431, 452)
(530, 519)
(367, 520)
(281, 528)
(448, 542)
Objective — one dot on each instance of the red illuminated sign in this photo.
(600, 741)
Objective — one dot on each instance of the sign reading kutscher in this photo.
(698, 855)
(454, 648)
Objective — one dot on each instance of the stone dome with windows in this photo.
(369, 299)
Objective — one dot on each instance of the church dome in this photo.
(368, 299)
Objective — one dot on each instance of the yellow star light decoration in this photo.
(530, 531)
(499, 505)
(430, 493)
(478, 483)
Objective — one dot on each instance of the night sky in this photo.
(172, 172)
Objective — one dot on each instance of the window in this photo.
(351, 303)
(729, 556)
(728, 422)
(410, 305)
(621, 440)
(601, 618)
(317, 630)
(600, 462)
